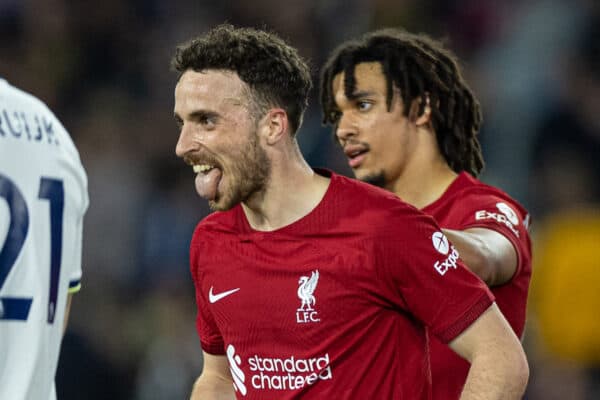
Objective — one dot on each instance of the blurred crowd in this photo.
(103, 68)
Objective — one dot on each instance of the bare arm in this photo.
(487, 253)
(499, 369)
(215, 382)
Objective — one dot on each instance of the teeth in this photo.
(202, 168)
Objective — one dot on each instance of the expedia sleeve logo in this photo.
(442, 245)
(507, 216)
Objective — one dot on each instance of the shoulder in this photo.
(357, 193)
(476, 204)
(36, 113)
(475, 193)
(41, 135)
(10, 94)
(215, 225)
(12, 97)
(382, 212)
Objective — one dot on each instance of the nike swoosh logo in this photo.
(213, 298)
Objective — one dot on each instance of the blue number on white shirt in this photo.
(53, 191)
(13, 307)
(17, 308)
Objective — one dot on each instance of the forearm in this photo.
(496, 378)
(212, 388)
(499, 369)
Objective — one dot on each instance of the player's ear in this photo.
(276, 125)
(420, 111)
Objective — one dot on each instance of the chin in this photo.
(221, 204)
(215, 206)
(375, 178)
(360, 174)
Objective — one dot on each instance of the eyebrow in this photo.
(203, 114)
(198, 114)
(360, 94)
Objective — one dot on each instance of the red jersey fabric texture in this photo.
(469, 203)
(332, 306)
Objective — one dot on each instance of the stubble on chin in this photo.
(375, 179)
(250, 175)
(214, 206)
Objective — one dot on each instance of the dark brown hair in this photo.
(275, 73)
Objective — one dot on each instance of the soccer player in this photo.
(309, 284)
(408, 122)
(43, 198)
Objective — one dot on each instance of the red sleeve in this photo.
(501, 215)
(425, 276)
(211, 340)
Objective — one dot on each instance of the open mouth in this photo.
(356, 154)
(208, 178)
(202, 168)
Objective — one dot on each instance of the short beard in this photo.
(249, 174)
(377, 179)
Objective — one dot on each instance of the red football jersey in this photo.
(469, 203)
(332, 306)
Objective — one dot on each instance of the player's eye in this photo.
(208, 121)
(364, 105)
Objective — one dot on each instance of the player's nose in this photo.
(346, 129)
(185, 143)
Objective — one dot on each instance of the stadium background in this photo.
(103, 67)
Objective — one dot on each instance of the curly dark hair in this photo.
(421, 68)
(274, 72)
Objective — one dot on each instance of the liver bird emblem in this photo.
(306, 290)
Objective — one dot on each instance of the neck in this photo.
(425, 177)
(292, 192)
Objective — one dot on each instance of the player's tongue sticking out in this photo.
(207, 182)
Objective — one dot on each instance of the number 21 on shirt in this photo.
(52, 190)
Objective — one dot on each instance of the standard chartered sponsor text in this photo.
(288, 374)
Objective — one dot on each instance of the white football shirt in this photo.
(43, 198)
